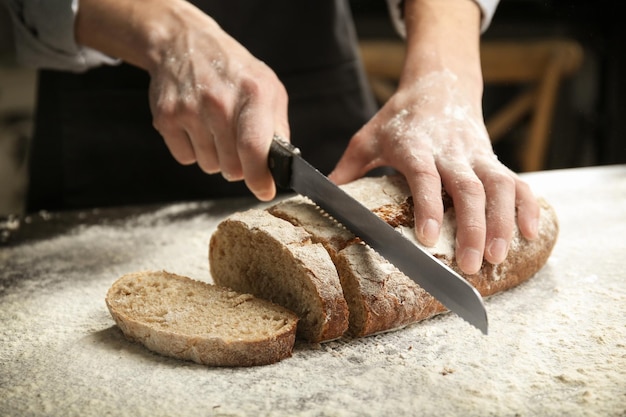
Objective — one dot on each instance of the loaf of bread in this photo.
(379, 297)
(192, 320)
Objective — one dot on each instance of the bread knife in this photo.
(291, 171)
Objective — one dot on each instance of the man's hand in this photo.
(432, 131)
(212, 101)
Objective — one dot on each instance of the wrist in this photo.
(444, 37)
(165, 34)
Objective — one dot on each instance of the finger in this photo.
(253, 145)
(219, 119)
(257, 125)
(361, 156)
(425, 184)
(179, 145)
(528, 210)
(175, 137)
(206, 121)
(204, 148)
(184, 128)
(500, 211)
(468, 195)
(227, 154)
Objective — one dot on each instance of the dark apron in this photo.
(94, 144)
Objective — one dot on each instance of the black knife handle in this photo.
(279, 161)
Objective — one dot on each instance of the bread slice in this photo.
(192, 320)
(255, 252)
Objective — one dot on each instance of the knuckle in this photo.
(168, 116)
(500, 226)
(469, 186)
(502, 179)
(250, 142)
(252, 87)
(470, 235)
(522, 188)
(426, 174)
(187, 107)
(217, 106)
(163, 114)
(474, 227)
(259, 83)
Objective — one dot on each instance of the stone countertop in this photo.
(556, 344)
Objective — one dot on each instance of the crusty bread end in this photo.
(255, 252)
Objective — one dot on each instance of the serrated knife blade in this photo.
(292, 171)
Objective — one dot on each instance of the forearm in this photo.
(444, 36)
(139, 33)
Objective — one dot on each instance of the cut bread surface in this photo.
(188, 319)
(255, 252)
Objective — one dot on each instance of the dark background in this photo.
(589, 126)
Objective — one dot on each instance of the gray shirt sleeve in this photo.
(487, 7)
(44, 36)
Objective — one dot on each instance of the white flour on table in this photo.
(557, 344)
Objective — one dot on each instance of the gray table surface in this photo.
(556, 347)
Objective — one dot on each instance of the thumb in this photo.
(359, 157)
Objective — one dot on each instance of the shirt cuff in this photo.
(396, 11)
(44, 36)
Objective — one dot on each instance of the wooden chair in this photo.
(539, 66)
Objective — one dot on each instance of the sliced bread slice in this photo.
(255, 252)
(193, 320)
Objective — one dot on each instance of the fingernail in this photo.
(228, 177)
(430, 232)
(470, 260)
(497, 250)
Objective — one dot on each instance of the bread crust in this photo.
(255, 252)
(379, 297)
(525, 257)
(143, 307)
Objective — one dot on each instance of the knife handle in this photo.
(280, 159)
